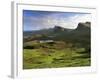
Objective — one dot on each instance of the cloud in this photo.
(79, 18)
(49, 21)
(67, 22)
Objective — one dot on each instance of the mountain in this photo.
(81, 34)
(61, 29)
(37, 32)
(84, 25)
(50, 31)
(82, 28)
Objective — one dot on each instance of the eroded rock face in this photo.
(84, 25)
(58, 28)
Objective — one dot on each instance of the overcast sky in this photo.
(36, 20)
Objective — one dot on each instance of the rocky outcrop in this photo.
(58, 28)
(85, 25)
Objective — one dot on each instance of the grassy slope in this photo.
(58, 55)
(50, 58)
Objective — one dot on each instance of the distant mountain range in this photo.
(54, 30)
(81, 34)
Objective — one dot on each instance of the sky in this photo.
(36, 20)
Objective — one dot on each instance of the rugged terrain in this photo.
(57, 47)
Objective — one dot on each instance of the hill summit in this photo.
(59, 28)
(83, 25)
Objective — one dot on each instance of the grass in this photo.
(54, 58)
(70, 48)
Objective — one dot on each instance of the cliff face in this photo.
(83, 26)
(81, 33)
(59, 28)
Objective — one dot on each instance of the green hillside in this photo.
(57, 47)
